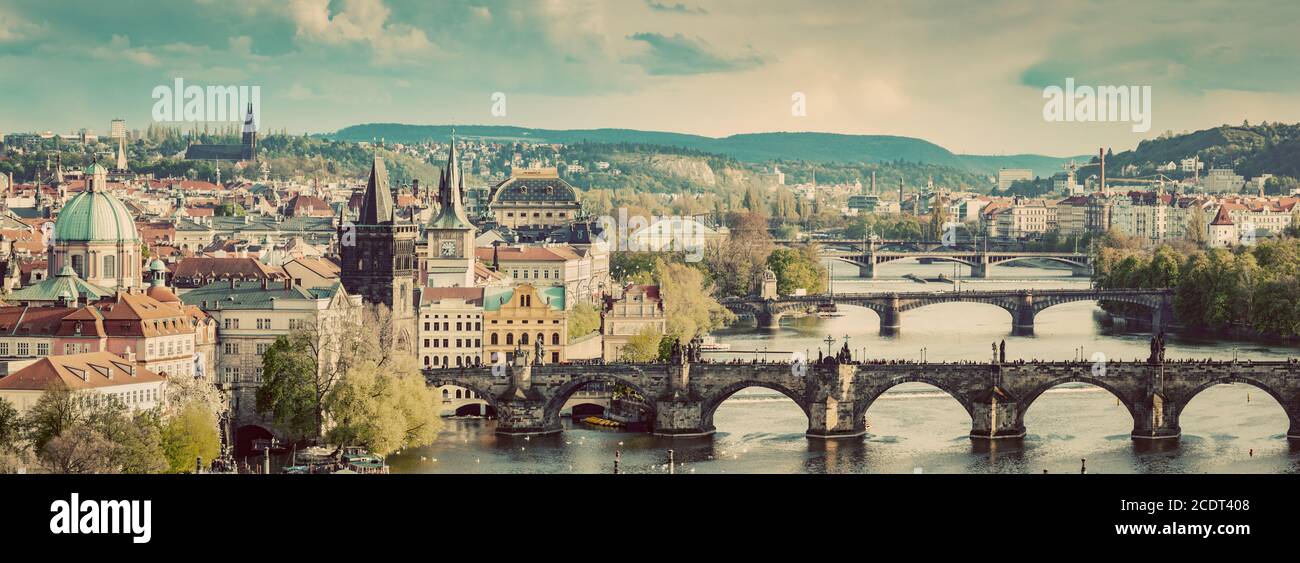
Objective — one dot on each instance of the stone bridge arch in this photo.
(867, 396)
(713, 400)
(475, 384)
(560, 394)
(1289, 405)
(1130, 398)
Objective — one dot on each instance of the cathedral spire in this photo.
(377, 203)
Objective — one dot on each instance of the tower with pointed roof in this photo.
(249, 141)
(451, 234)
(377, 256)
(121, 154)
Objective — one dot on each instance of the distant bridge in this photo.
(1023, 305)
(867, 254)
(835, 397)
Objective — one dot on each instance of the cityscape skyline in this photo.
(712, 68)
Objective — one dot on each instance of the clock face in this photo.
(448, 248)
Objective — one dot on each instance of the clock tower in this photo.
(450, 234)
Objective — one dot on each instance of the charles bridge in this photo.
(767, 307)
(683, 396)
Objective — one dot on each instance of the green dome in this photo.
(95, 168)
(95, 216)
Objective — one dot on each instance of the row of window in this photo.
(523, 338)
(25, 349)
(560, 214)
(445, 361)
(544, 274)
(446, 327)
(434, 343)
(129, 398)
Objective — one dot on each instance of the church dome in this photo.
(95, 216)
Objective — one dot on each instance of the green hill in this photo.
(751, 147)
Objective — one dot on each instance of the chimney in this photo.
(288, 283)
(232, 283)
(130, 355)
(264, 282)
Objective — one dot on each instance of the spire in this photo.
(377, 204)
(451, 184)
(250, 123)
(121, 153)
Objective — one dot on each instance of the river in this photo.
(915, 428)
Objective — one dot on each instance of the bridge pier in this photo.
(867, 270)
(1293, 432)
(833, 416)
(521, 409)
(1023, 322)
(1156, 418)
(680, 411)
(996, 417)
(768, 320)
(890, 318)
(1081, 271)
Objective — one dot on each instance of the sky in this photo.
(967, 75)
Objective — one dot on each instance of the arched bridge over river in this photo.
(835, 397)
(1023, 305)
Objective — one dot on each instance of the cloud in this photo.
(358, 21)
(681, 55)
(14, 28)
(679, 8)
(119, 48)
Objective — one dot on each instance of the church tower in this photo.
(248, 150)
(377, 257)
(450, 234)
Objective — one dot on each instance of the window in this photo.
(110, 266)
(264, 324)
(24, 349)
(262, 347)
(232, 348)
(492, 340)
(555, 338)
(42, 348)
(4, 348)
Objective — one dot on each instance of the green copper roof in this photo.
(95, 216)
(95, 168)
(495, 296)
(66, 284)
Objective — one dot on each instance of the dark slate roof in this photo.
(377, 203)
(534, 189)
(215, 152)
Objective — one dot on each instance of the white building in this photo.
(1008, 176)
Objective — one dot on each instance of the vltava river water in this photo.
(915, 427)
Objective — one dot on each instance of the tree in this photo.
(1196, 225)
(688, 302)
(300, 370)
(79, 450)
(56, 410)
(643, 346)
(289, 377)
(797, 269)
(584, 319)
(383, 410)
(10, 426)
(190, 434)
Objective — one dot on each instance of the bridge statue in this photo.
(539, 352)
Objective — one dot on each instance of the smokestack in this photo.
(1101, 155)
(873, 182)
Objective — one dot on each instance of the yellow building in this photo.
(518, 317)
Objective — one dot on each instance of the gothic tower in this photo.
(248, 151)
(450, 234)
(377, 257)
